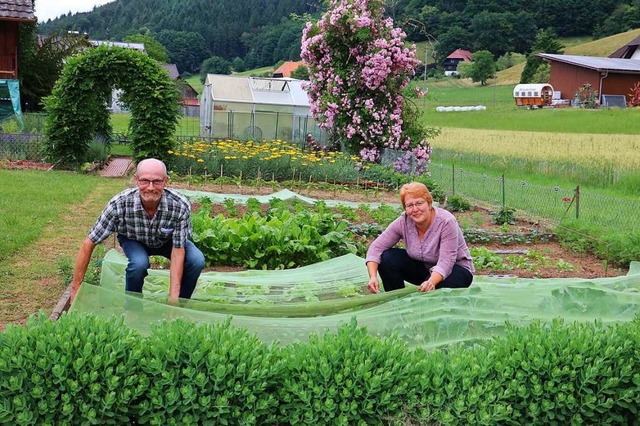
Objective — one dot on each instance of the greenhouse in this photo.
(256, 108)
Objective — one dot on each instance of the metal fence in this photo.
(553, 203)
(21, 146)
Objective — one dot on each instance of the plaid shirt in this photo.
(125, 215)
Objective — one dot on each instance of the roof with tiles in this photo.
(287, 68)
(16, 10)
(465, 55)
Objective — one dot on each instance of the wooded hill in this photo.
(263, 32)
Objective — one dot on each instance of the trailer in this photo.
(533, 95)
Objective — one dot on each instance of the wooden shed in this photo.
(533, 95)
(608, 76)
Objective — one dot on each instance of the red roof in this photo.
(465, 55)
(287, 68)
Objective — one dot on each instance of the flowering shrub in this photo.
(587, 97)
(359, 66)
(634, 96)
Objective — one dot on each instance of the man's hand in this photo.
(173, 301)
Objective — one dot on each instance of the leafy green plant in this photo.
(505, 215)
(563, 265)
(79, 367)
(457, 203)
(193, 368)
(230, 205)
(346, 377)
(277, 239)
(483, 258)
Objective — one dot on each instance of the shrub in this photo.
(347, 377)
(208, 374)
(505, 216)
(79, 367)
(457, 203)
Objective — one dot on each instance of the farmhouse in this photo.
(256, 108)
(287, 68)
(12, 13)
(189, 104)
(612, 78)
(450, 63)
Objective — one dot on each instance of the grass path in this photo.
(30, 280)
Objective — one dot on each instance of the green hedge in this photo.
(87, 370)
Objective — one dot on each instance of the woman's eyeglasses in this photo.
(408, 207)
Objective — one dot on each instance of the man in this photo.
(149, 220)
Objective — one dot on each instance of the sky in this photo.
(50, 9)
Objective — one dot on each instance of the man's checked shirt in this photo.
(124, 214)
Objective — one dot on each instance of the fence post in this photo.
(504, 195)
(577, 192)
(453, 179)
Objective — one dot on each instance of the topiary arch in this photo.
(77, 108)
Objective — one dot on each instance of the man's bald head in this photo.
(152, 166)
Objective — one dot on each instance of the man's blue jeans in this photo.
(137, 269)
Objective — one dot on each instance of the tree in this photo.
(483, 67)
(186, 49)
(454, 38)
(463, 70)
(238, 64)
(358, 66)
(214, 65)
(41, 63)
(546, 42)
(154, 48)
(301, 73)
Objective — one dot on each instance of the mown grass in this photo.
(187, 126)
(32, 200)
(49, 213)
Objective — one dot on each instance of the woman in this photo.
(436, 254)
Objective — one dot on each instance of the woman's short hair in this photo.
(415, 190)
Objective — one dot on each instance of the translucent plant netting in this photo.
(288, 305)
(284, 194)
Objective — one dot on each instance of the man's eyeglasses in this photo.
(146, 182)
(408, 207)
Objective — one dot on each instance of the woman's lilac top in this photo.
(441, 247)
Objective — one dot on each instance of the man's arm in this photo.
(175, 273)
(82, 262)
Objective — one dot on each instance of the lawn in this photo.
(45, 216)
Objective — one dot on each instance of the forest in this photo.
(263, 32)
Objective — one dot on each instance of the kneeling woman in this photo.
(435, 254)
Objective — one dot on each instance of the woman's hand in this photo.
(428, 285)
(373, 285)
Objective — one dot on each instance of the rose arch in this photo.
(77, 108)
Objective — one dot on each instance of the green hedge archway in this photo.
(77, 108)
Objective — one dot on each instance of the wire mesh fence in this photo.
(553, 203)
(22, 139)
(21, 146)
